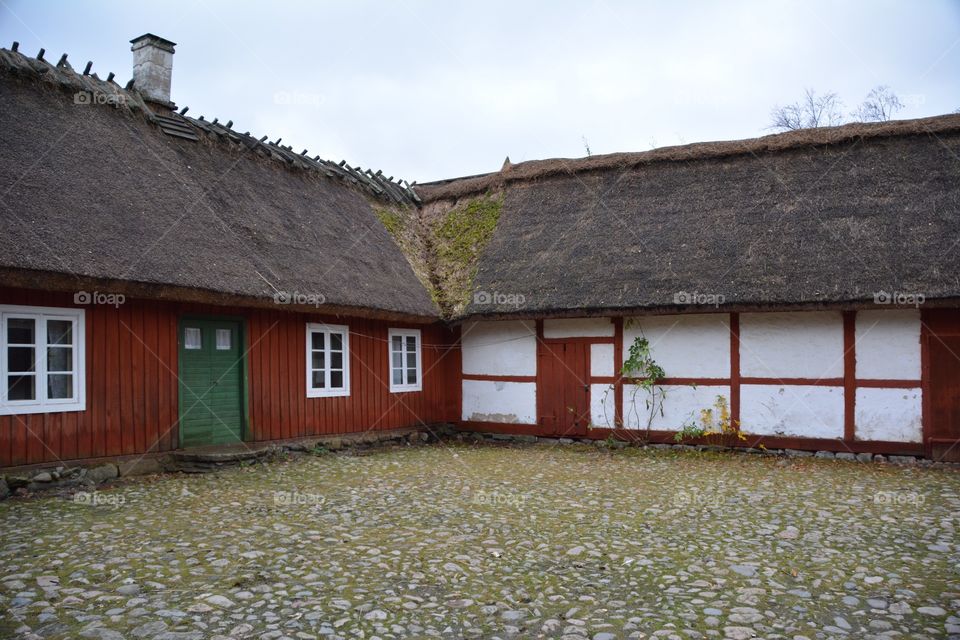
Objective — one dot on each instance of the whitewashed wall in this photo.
(504, 348)
(772, 345)
(686, 346)
(578, 328)
(791, 345)
(500, 348)
(888, 344)
(889, 414)
(507, 402)
(601, 360)
(602, 403)
(682, 405)
(792, 410)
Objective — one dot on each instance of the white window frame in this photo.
(327, 330)
(42, 404)
(405, 333)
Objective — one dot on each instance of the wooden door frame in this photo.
(244, 370)
(934, 324)
(543, 346)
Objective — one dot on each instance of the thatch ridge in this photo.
(62, 75)
(812, 224)
(456, 188)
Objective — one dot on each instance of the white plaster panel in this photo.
(578, 328)
(507, 402)
(889, 414)
(792, 410)
(601, 359)
(686, 346)
(500, 348)
(682, 405)
(602, 403)
(791, 344)
(888, 344)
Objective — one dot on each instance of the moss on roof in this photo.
(444, 246)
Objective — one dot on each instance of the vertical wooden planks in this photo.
(138, 357)
(849, 375)
(735, 370)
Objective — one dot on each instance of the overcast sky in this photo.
(430, 90)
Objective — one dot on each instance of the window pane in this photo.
(412, 360)
(397, 360)
(59, 332)
(336, 341)
(411, 376)
(336, 379)
(20, 331)
(397, 376)
(224, 339)
(59, 359)
(317, 340)
(411, 343)
(21, 359)
(318, 381)
(21, 388)
(336, 360)
(59, 386)
(192, 338)
(318, 360)
(397, 343)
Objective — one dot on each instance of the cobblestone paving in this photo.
(484, 541)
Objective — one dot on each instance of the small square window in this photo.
(405, 360)
(328, 360)
(42, 362)
(192, 338)
(224, 339)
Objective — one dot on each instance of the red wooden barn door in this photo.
(944, 387)
(563, 389)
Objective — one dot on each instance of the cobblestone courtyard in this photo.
(483, 541)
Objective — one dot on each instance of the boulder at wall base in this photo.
(140, 467)
(4, 489)
(103, 473)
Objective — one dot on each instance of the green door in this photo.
(211, 382)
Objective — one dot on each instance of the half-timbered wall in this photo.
(499, 372)
(132, 384)
(818, 375)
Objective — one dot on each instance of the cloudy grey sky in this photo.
(428, 90)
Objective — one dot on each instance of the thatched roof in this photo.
(815, 217)
(113, 193)
(127, 194)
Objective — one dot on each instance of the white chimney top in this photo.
(153, 67)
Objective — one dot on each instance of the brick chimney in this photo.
(153, 68)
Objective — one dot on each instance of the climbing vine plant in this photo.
(642, 371)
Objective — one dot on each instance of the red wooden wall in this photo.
(132, 388)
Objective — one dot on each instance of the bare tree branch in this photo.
(812, 111)
(880, 105)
